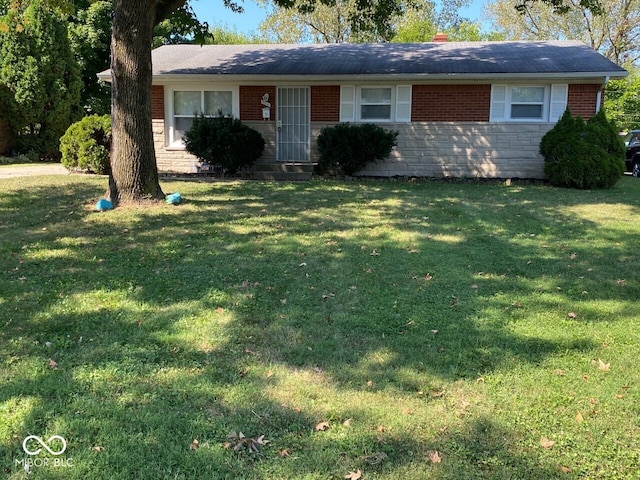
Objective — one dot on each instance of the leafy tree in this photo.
(326, 23)
(181, 26)
(222, 35)
(134, 173)
(90, 34)
(622, 100)
(42, 77)
(615, 34)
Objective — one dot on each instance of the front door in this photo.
(294, 124)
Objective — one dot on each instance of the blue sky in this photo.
(215, 13)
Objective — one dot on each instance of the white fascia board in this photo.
(277, 79)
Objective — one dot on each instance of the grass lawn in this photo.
(387, 330)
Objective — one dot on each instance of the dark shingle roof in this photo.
(415, 59)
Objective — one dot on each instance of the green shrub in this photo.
(581, 154)
(87, 144)
(224, 141)
(346, 148)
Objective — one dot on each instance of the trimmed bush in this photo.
(224, 141)
(346, 148)
(586, 155)
(86, 145)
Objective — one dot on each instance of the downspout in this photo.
(600, 92)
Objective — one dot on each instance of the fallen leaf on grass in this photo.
(284, 453)
(194, 445)
(53, 364)
(546, 443)
(347, 422)
(603, 366)
(98, 448)
(322, 426)
(241, 441)
(579, 417)
(565, 469)
(572, 315)
(434, 456)
(354, 475)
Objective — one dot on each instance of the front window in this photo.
(375, 103)
(527, 103)
(187, 104)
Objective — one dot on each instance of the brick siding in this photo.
(250, 106)
(450, 103)
(582, 100)
(157, 102)
(325, 103)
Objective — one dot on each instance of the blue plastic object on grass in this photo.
(174, 199)
(104, 204)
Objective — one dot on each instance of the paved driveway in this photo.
(26, 170)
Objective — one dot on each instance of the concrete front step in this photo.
(283, 171)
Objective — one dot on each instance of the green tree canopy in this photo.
(622, 100)
(615, 34)
(325, 23)
(90, 34)
(40, 75)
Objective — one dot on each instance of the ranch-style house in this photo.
(462, 109)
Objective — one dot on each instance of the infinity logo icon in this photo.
(44, 445)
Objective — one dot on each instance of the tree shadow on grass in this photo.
(253, 275)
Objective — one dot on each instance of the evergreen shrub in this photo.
(585, 155)
(224, 141)
(346, 149)
(86, 145)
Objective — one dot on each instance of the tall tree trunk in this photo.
(134, 172)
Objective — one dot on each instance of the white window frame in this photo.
(542, 103)
(553, 105)
(170, 116)
(351, 103)
(362, 103)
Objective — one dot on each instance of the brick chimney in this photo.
(440, 37)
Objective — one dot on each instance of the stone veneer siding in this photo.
(452, 140)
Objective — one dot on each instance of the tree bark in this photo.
(134, 171)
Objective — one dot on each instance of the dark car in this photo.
(632, 160)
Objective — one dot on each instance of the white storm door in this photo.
(294, 124)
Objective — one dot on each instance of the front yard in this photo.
(370, 330)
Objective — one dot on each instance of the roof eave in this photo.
(166, 78)
(477, 77)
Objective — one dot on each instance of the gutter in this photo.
(600, 92)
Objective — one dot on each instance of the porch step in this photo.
(294, 172)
